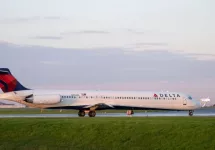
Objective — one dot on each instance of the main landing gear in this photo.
(191, 112)
(91, 113)
(81, 113)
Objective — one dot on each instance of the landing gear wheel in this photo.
(92, 114)
(191, 112)
(132, 112)
(81, 113)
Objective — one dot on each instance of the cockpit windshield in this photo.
(189, 97)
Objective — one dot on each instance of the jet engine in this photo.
(43, 99)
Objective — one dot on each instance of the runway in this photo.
(201, 112)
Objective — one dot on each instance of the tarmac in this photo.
(200, 112)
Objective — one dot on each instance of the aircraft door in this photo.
(184, 101)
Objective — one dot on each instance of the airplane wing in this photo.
(99, 106)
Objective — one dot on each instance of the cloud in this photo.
(51, 62)
(135, 32)
(30, 19)
(197, 54)
(164, 81)
(22, 19)
(53, 18)
(151, 44)
(85, 32)
(203, 57)
(138, 69)
(48, 37)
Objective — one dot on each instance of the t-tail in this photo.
(8, 82)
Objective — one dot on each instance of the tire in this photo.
(81, 113)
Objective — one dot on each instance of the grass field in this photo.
(108, 133)
(54, 111)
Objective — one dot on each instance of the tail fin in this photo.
(8, 82)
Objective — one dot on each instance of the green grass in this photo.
(108, 133)
(55, 111)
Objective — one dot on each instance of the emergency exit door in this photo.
(184, 101)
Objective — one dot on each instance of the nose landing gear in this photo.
(130, 112)
(191, 112)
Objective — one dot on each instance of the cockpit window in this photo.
(190, 97)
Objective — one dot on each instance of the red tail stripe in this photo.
(7, 78)
(2, 87)
(10, 81)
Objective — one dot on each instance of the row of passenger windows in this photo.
(105, 97)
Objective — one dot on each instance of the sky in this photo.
(185, 25)
(114, 44)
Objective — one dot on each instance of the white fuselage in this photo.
(78, 99)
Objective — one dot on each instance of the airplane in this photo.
(92, 100)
